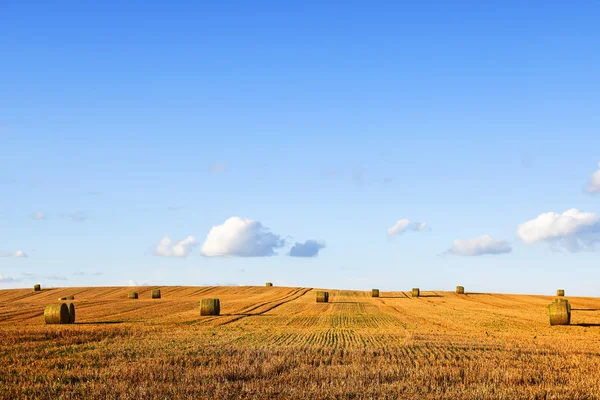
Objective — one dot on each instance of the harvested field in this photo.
(277, 342)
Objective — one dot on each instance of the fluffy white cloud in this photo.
(166, 247)
(479, 246)
(6, 278)
(594, 185)
(574, 230)
(310, 248)
(404, 225)
(16, 254)
(240, 237)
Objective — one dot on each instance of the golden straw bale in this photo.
(57, 314)
(210, 307)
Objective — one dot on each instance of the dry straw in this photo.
(560, 312)
(374, 292)
(322, 297)
(37, 287)
(269, 284)
(210, 307)
(57, 314)
(156, 293)
(560, 292)
(71, 313)
(460, 290)
(133, 295)
(416, 292)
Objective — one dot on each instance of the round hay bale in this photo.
(210, 307)
(560, 292)
(269, 284)
(156, 293)
(133, 295)
(322, 297)
(71, 297)
(416, 292)
(460, 290)
(71, 313)
(37, 287)
(374, 292)
(62, 298)
(560, 312)
(57, 314)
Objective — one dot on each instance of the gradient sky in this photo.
(122, 123)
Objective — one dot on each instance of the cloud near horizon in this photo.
(479, 246)
(241, 237)
(573, 230)
(166, 247)
(310, 248)
(15, 254)
(405, 225)
(6, 279)
(56, 278)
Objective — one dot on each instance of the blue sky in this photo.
(123, 124)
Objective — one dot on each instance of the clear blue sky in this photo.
(125, 122)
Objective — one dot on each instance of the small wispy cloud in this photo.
(133, 282)
(38, 216)
(29, 275)
(405, 225)
(15, 254)
(78, 273)
(56, 278)
(6, 279)
(79, 216)
(98, 274)
(218, 168)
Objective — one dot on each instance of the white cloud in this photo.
(479, 246)
(310, 248)
(574, 230)
(405, 225)
(166, 247)
(38, 216)
(594, 185)
(240, 237)
(15, 254)
(6, 278)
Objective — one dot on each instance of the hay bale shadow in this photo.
(586, 325)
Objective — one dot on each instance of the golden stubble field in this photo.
(272, 343)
